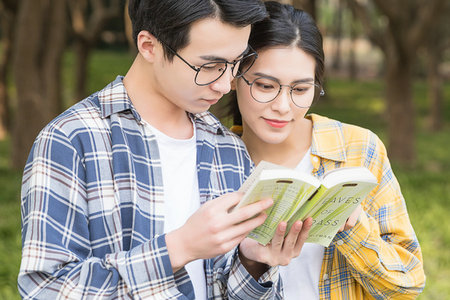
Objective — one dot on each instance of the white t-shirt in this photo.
(301, 276)
(181, 195)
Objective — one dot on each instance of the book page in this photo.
(263, 165)
(347, 174)
(337, 205)
(288, 193)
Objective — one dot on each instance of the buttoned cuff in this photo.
(240, 280)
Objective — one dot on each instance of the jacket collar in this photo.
(328, 139)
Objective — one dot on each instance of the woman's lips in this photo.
(276, 123)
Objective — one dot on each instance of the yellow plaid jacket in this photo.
(379, 258)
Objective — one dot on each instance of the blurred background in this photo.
(388, 69)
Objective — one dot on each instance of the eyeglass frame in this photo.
(233, 63)
(250, 84)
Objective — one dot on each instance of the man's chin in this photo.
(202, 106)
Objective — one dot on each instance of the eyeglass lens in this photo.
(265, 90)
(212, 71)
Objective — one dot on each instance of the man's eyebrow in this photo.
(303, 80)
(217, 58)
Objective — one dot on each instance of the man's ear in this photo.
(148, 45)
(233, 84)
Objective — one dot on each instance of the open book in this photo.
(329, 200)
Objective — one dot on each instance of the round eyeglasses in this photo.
(212, 71)
(266, 89)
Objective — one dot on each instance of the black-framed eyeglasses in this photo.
(266, 89)
(212, 71)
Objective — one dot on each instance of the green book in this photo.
(328, 200)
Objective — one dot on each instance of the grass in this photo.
(9, 225)
(425, 185)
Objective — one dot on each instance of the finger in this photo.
(278, 238)
(244, 213)
(234, 242)
(350, 223)
(303, 234)
(227, 201)
(292, 236)
(244, 227)
(227, 246)
(354, 217)
(342, 228)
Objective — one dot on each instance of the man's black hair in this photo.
(170, 20)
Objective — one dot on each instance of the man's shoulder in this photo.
(88, 114)
(83, 114)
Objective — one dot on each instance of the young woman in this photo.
(376, 253)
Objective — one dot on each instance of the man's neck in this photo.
(151, 104)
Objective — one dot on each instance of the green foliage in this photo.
(425, 185)
(10, 244)
(103, 68)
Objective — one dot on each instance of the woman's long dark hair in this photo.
(285, 26)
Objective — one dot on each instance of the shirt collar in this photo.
(209, 120)
(114, 99)
(328, 138)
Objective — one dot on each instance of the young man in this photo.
(112, 187)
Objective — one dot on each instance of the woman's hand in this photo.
(352, 219)
(256, 257)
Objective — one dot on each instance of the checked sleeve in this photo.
(60, 235)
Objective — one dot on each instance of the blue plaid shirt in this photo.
(92, 208)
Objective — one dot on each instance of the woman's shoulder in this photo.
(323, 123)
(354, 139)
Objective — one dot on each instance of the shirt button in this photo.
(340, 242)
(325, 276)
(327, 282)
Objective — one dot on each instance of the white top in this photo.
(181, 195)
(301, 276)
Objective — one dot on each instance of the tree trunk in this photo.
(82, 52)
(129, 31)
(36, 71)
(307, 5)
(352, 64)
(56, 28)
(337, 59)
(89, 18)
(8, 19)
(5, 59)
(284, 1)
(435, 93)
(400, 109)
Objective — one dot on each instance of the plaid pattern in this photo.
(380, 258)
(92, 208)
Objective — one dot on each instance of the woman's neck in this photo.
(287, 153)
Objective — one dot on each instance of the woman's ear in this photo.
(233, 84)
(147, 45)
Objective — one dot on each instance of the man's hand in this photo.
(257, 258)
(352, 219)
(214, 230)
